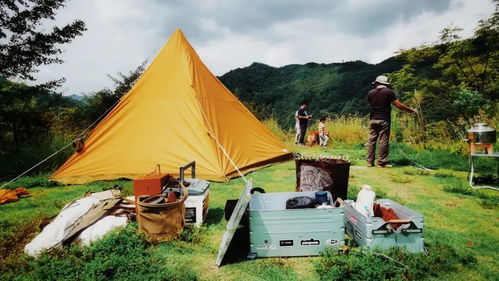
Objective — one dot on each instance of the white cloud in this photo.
(231, 34)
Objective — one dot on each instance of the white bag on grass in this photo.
(100, 228)
(53, 234)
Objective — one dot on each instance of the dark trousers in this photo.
(379, 131)
(303, 131)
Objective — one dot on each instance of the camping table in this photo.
(472, 169)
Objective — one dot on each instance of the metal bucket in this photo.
(481, 133)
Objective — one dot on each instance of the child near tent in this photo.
(323, 133)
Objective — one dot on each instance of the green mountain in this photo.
(336, 88)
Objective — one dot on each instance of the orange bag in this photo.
(7, 195)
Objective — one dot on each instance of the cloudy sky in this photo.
(229, 34)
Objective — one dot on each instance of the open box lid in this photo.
(197, 186)
(234, 221)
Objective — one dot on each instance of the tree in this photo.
(100, 102)
(457, 77)
(23, 44)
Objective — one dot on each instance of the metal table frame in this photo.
(472, 169)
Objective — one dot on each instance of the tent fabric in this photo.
(177, 112)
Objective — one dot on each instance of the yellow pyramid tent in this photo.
(177, 112)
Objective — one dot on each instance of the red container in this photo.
(149, 184)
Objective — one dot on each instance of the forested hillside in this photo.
(337, 88)
(453, 80)
(452, 83)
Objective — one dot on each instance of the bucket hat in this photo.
(382, 79)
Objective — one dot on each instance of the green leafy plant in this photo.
(123, 255)
(393, 264)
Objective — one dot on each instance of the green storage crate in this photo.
(278, 232)
(374, 232)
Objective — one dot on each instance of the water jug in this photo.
(365, 201)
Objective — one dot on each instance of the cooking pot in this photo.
(481, 133)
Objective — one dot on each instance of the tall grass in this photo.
(410, 145)
(344, 129)
(347, 129)
(414, 131)
(406, 128)
(274, 127)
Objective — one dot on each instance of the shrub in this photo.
(393, 264)
(40, 180)
(24, 157)
(193, 234)
(444, 175)
(122, 255)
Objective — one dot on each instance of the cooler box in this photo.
(375, 232)
(196, 205)
(279, 232)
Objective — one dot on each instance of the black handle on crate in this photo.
(384, 231)
(257, 189)
(407, 231)
(185, 167)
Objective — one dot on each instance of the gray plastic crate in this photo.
(279, 232)
(374, 232)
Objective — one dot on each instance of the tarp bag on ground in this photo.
(84, 220)
(328, 174)
(161, 221)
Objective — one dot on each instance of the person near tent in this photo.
(323, 133)
(303, 118)
(297, 128)
(380, 100)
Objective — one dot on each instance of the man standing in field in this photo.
(380, 100)
(303, 118)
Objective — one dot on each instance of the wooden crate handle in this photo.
(399, 221)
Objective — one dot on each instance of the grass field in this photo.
(460, 223)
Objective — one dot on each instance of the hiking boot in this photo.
(370, 165)
(384, 166)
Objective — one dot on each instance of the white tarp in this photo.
(100, 228)
(55, 232)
